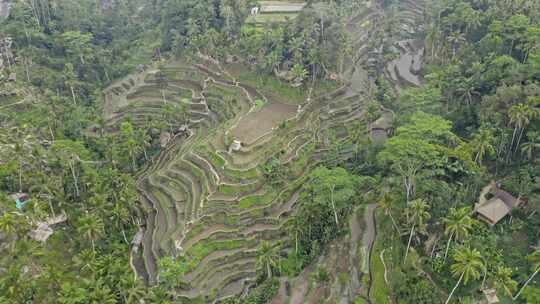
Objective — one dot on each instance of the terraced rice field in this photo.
(203, 200)
(214, 205)
(276, 11)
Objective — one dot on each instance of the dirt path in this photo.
(369, 233)
(369, 240)
(355, 227)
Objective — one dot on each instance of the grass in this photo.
(360, 301)
(219, 163)
(256, 200)
(299, 164)
(202, 249)
(237, 189)
(215, 159)
(199, 228)
(268, 85)
(270, 17)
(258, 104)
(252, 173)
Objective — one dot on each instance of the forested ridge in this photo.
(201, 151)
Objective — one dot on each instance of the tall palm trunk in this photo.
(296, 242)
(448, 245)
(455, 287)
(409, 244)
(526, 283)
(393, 221)
(75, 180)
(511, 144)
(333, 204)
(269, 270)
(519, 139)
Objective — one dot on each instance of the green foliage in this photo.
(263, 293)
(171, 271)
(328, 197)
(531, 294)
(415, 289)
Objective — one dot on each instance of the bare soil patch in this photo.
(258, 123)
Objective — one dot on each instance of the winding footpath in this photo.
(369, 239)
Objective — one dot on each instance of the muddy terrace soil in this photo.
(258, 123)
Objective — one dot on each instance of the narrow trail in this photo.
(369, 239)
(370, 233)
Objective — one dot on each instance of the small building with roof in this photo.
(495, 204)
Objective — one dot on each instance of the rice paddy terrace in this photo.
(212, 203)
(276, 11)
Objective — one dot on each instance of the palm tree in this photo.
(467, 89)
(132, 290)
(272, 61)
(386, 203)
(299, 72)
(530, 147)
(502, 279)
(482, 142)
(520, 115)
(268, 257)
(91, 226)
(456, 39)
(467, 265)
(534, 258)
(8, 223)
(417, 213)
(101, 293)
(295, 226)
(458, 225)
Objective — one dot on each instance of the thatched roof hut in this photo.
(494, 209)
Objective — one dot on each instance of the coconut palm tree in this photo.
(458, 225)
(483, 144)
(386, 203)
(417, 214)
(467, 265)
(534, 259)
(299, 72)
(132, 290)
(268, 256)
(532, 145)
(295, 226)
(520, 116)
(91, 227)
(502, 279)
(8, 223)
(456, 39)
(467, 89)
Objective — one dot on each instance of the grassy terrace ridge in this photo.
(211, 201)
